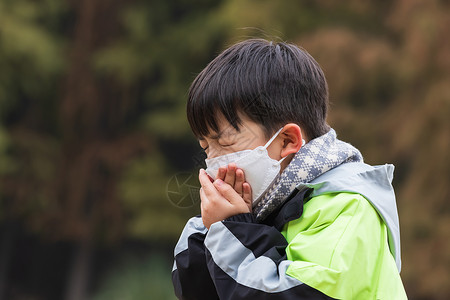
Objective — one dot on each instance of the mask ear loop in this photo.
(271, 140)
(274, 137)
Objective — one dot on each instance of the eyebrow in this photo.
(216, 136)
(213, 137)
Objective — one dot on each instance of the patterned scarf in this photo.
(312, 160)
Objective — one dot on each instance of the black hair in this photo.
(271, 83)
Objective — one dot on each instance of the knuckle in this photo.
(225, 187)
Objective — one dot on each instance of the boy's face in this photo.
(229, 140)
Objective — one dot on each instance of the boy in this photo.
(288, 211)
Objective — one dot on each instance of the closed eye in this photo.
(226, 145)
(223, 142)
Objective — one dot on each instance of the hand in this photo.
(219, 200)
(235, 177)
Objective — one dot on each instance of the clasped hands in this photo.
(226, 196)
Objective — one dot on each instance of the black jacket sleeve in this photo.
(190, 275)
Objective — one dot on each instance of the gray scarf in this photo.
(312, 160)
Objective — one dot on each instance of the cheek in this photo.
(274, 151)
(215, 151)
(249, 142)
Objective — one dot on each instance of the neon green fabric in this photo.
(340, 247)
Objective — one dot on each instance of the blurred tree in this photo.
(31, 61)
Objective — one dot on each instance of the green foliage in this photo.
(152, 213)
(138, 280)
(31, 55)
(31, 61)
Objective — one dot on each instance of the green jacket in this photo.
(340, 244)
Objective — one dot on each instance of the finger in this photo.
(209, 177)
(203, 199)
(207, 186)
(231, 174)
(221, 173)
(202, 194)
(204, 208)
(240, 178)
(247, 194)
(227, 191)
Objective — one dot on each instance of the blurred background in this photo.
(97, 162)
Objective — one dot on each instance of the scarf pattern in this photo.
(312, 160)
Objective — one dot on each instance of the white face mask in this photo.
(260, 170)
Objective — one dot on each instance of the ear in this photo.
(292, 139)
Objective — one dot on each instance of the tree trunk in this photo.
(79, 274)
